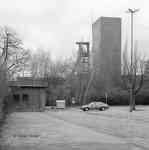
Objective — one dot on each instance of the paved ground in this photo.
(73, 129)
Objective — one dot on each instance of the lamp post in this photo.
(132, 12)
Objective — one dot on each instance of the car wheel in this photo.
(102, 108)
(86, 109)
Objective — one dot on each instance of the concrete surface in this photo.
(73, 129)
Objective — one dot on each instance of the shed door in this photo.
(42, 99)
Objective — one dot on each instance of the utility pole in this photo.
(132, 12)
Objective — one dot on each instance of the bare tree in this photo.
(3, 79)
(12, 52)
(55, 72)
(40, 63)
(43, 66)
(133, 75)
(3, 49)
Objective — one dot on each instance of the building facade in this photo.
(28, 94)
(106, 48)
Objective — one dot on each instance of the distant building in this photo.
(28, 94)
(106, 48)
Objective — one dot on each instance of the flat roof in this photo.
(106, 18)
(28, 82)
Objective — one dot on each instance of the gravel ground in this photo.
(73, 129)
(117, 121)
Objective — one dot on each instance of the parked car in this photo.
(95, 105)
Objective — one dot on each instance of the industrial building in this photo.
(28, 94)
(106, 49)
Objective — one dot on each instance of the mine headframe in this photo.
(83, 49)
(82, 69)
(83, 58)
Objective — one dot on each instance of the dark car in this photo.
(95, 106)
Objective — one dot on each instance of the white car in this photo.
(95, 105)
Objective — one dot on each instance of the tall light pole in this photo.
(132, 12)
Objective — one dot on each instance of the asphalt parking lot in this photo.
(74, 129)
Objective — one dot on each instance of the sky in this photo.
(55, 25)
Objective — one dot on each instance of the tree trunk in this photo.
(131, 101)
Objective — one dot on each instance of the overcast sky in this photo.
(56, 25)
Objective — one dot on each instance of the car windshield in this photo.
(91, 104)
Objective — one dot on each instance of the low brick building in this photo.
(28, 94)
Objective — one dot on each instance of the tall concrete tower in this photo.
(106, 48)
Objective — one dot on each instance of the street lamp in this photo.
(132, 12)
